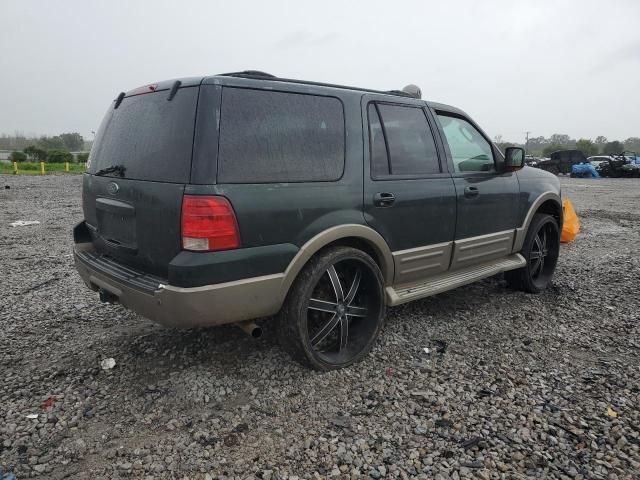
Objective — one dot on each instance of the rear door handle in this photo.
(471, 192)
(383, 199)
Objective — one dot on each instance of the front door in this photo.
(409, 196)
(487, 200)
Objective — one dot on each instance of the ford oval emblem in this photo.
(113, 188)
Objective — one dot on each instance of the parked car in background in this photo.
(227, 198)
(531, 161)
(596, 160)
(625, 164)
(562, 161)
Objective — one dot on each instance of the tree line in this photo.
(54, 149)
(543, 147)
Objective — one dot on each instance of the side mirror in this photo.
(513, 159)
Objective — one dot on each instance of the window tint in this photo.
(410, 144)
(148, 135)
(471, 152)
(379, 159)
(279, 137)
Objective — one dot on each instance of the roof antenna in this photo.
(413, 90)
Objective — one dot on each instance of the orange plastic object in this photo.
(571, 225)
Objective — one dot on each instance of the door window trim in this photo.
(417, 176)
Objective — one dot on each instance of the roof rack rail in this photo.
(249, 74)
(258, 75)
(400, 93)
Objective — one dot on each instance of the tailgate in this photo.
(133, 211)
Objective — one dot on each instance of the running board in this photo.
(449, 280)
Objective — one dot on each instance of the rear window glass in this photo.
(409, 142)
(150, 136)
(270, 136)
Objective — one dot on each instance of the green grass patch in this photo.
(33, 168)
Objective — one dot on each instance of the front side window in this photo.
(401, 142)
(268, 136)
(471, 152)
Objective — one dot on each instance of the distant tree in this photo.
(549, 149)
(560, 139)
(59, 156)
(35, 154)
(17, 157)
(587, 147)
(632, 144)
(51, 143)
(614, 147)
(73, 141)
(600, 143)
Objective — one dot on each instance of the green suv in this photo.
(232, 197)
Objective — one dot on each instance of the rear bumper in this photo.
(180, 307)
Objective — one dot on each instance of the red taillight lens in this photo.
(208, 223)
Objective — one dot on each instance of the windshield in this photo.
(148, 137)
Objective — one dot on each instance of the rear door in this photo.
(409, 197)
(134, 212)
(487, 200)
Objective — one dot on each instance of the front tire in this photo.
(334, 310)
(540, 249)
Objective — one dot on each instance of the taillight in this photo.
(208, 223)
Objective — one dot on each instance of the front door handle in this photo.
(383, 199)
(471, 192)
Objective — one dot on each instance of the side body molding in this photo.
(521, 232)
(324, 238)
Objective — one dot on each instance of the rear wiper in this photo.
(119, 169)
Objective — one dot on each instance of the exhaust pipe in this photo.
(250, 328)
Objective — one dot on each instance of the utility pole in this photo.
(526, 144)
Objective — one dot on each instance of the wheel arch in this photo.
(353, 235)
(548, 202)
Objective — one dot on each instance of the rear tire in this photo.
(540, 250)
(334, 310)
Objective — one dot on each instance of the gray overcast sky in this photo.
(545, 66)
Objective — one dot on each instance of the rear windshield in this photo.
(148, 135)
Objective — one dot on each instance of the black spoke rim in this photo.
(544, 254)
(343, 311)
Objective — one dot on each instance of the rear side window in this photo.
(150, 136)
(401, 141)
(270, 136)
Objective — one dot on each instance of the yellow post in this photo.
(42, 168)
(15, 168)
(66, 166)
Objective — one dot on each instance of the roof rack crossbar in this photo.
(174, 90)
(119, 100)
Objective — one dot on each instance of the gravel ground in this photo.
(514, 386)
